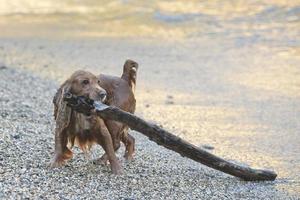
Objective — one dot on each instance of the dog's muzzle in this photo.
(103, 96)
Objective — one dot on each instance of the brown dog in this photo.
(73, 127)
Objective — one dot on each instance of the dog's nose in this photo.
(102, 95)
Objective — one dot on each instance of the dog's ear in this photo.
(62, 112)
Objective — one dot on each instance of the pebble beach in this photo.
(226, 80)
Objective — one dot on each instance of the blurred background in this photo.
(218, 72)
(262, 21)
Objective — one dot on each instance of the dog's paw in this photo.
(101, 161)
(117, 170)
(128, 157)
(57, 163)
(60, 160)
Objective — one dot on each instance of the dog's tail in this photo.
(129, 73)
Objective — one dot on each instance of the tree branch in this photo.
(168, 140)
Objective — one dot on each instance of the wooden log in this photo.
(168, 140)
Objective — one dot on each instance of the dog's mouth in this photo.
(98, 99)
(103, 99)
(82, 104)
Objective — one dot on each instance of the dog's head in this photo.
(81, 83)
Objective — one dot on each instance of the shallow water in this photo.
(232, 67)
(247, 21)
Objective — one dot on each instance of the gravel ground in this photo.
(26, 144)
(221, 76)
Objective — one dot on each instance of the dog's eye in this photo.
(85, 82)
(99, 82)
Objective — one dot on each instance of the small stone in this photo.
(169, 102)
(170, 99)
(16, 137)
(23, 170)
(4, 114)
(134, 181)
(23, 115)
(2, 67)
(176, 184)
(207, 146)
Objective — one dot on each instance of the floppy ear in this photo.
(62, 113)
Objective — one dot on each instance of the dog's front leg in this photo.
(107, 144)
(62, 152)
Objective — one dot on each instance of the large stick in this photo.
(168, 140)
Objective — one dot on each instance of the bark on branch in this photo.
(168, 140)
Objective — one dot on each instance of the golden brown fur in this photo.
(120, 93)
(75, 128)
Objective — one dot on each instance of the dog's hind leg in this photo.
(129, 143)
